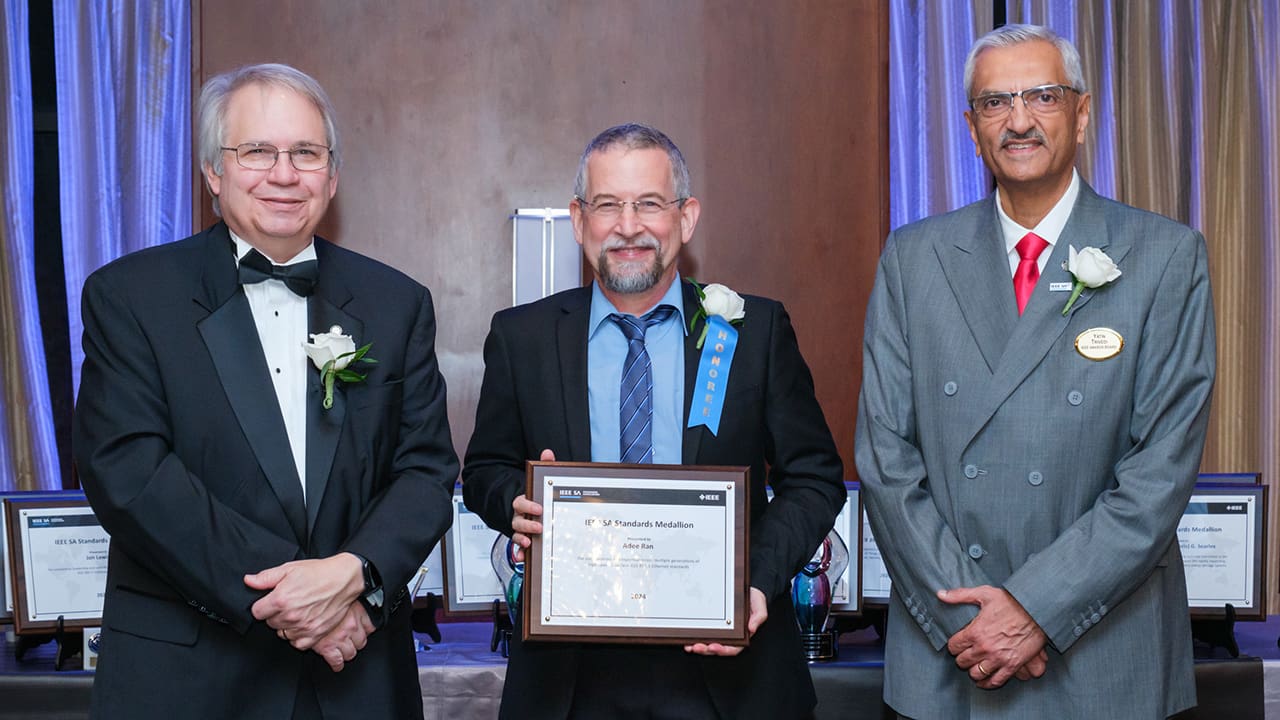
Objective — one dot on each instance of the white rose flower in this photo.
(333, 352)
(1091, 266)
(332, 346)
(724, 302)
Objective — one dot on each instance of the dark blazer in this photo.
(182, 452)
(991, 452)
(534, 396)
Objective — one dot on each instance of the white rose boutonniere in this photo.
(723, 308)
(716, 300)
(1090, 268)
(334, 353)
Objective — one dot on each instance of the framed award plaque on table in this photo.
(58, 561)
(875, 576)
(846, 593)
(1222, 540)
(6, 568)
(470, 585)
(651, 554)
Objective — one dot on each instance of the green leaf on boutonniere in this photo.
(725, 303)
(331, 372)
(699, 314)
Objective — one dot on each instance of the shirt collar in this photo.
(1050, 228)
(601, 308)
(242, 248)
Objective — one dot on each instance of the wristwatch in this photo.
(372, 597)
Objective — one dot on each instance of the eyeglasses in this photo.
(1042, 100)
(612, 209)
(261, 156)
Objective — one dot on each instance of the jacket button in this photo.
(1077, 631)
(926, 627)
(1075, 397)
(975, 551)
(1035, 478)
(1102, 610)
(971, 471)
(950, 388)
(1096, 617)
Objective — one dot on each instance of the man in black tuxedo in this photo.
(261, 541)
(552, 391)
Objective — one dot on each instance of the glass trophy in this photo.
(811, 593)
(502, 556)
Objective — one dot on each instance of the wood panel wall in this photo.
(456, 112)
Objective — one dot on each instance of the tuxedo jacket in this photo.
(182, 451)
(534, 396)
(992, 452)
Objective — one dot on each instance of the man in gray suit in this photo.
(1026, 448)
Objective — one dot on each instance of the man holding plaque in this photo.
(267, 502)
(1037, 375)
(606, 373)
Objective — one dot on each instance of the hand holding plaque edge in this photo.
(759, 613)
(525, 510)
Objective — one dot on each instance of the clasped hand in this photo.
(312, 605)
(1002, 642)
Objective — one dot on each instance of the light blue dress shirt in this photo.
(606, 351)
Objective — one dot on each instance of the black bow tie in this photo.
(298, 277)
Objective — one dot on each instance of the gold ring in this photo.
(983, 671)
(284, 635)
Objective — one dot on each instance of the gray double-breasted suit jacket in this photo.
(992, 452)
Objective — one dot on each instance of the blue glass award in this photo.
(811, 593)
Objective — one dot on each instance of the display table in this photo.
(462, 680)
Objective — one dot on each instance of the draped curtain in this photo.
(1185, 122)
(28, 448)
(124, 116)
(932, 165)
(124, 133)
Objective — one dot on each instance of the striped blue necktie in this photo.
(635, 406)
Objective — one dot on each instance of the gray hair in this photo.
(211, 110)
(1011, 35)
(635, 136)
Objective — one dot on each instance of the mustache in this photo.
(1032, 134)
(647, 242)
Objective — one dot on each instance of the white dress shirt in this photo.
(281, 319)
(1049, 229)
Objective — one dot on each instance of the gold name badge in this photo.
(1099, 343)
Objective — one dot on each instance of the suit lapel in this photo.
(1042, 323)
(976, 267)
(571, 345)
(1086, 228)
(324, 427)
(231, 337)
(692, 438)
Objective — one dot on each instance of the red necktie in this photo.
(1028, 272)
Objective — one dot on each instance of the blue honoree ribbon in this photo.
(713, 374)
